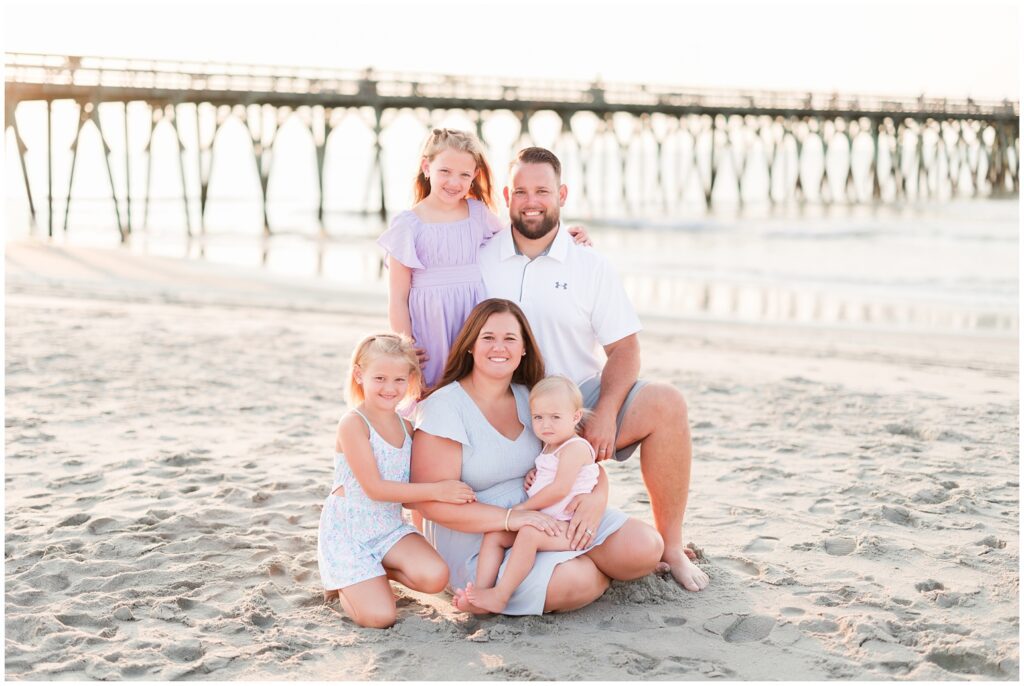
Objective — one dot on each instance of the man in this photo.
(576, 306)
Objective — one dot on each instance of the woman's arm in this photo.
(399, 283)
(586, 510)
(571, 459)
(435, 458)
(354, 441)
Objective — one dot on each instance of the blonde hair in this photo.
(557, 382)
(380, 345)
(439, 140)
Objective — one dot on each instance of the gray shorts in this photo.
(591, 390)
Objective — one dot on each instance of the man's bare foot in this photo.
(663, 567)
(686, 573)
(490, 599)
(463, 604)
(690, 553)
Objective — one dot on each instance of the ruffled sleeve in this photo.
(439, 416)
(399, 240)
(493, 223)
(487, 222)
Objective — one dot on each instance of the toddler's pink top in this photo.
(547, 466)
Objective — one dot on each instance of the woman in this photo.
(475, 428)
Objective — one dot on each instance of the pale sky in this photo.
(905, 47)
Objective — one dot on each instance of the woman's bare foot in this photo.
(463, 604)
(490, 599)
(686, 573)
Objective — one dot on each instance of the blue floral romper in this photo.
(355, 531)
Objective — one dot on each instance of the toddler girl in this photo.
(565, 468)
(434, 278)
(363, 541)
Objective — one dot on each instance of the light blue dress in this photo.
(356, 532)
(494, 467)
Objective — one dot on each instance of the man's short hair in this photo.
(536, 155)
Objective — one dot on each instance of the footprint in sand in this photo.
(74, 520)
(991, 542)
(188, 650)
(513, 672)
(741, 565)
(740, 628)
(897, 515)
(102, 525)
(277, 569)
(182, 460)
(965, 662)
(931, 496)
(819, 626)
(761, 544)
(822, 506)
(633, 661)
(752, 628)
(675, 664)
(78, 621)
(50, 582)
(840, 545)
(929, 585)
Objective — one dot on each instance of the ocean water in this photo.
(943, 263)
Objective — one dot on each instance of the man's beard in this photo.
(549, 221)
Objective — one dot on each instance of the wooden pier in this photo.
(975, 138)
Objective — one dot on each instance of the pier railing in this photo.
(53, 76)
(971, 138)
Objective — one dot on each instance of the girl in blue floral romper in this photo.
(363, 541)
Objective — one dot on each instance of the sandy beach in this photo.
(169, 427)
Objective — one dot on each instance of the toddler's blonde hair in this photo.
(558, 383)
(379, 345)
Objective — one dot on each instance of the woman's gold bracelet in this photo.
(507, 515)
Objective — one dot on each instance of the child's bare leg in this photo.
(529, 542)
(415, 564)
(370, 603)
(492, 552)
(461, 602)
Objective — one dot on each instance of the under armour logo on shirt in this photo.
(564, 285)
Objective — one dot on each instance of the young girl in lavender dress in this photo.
(434, 276)
(363, 541)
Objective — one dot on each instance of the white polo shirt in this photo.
(572, 297)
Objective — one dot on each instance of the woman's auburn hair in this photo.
(460, 361)
(482, 187)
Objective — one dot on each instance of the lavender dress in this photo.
(446, 279)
